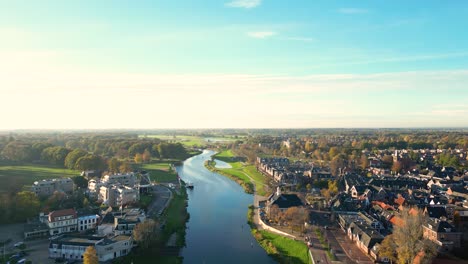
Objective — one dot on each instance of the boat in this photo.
(189, 185)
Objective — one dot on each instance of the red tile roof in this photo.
(59, 213)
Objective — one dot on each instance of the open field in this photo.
(189, 141)
(160, 172)
(15, 176)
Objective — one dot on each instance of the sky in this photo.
(233, 64)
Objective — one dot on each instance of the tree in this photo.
(397, 167)
(364, 162)
(333, 187)
(90, 162)
(80, 182)
(336, 164)
(408, 237)
(113, 165)
(146, 156)
(90, 256)
(387, 161)
(18, 151)
(146, 233)
(138, 158)
(72, 157)
(333, 152)
(26, 205)
(274, 213)
(387, 248)
(55, 155)
(308, 187)
(125, 167)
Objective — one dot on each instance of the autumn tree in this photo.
(364, 162)
(113, 165)
(146, 233)
(408, 237)
(138, 158)
(90, 256)
(397, 167)
(125, 167)
(146, 156)
(274, 213)
(387, 249)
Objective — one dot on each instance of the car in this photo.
(21, 261)
(18, 244)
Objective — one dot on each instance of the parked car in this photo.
(18, 244)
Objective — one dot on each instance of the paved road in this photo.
(162, 195)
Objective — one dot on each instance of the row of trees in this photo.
(79, 159)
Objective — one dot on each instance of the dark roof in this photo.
(436, 211)
(287, 200)
(440, 226)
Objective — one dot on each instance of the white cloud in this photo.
(244, 3)
(303, 39)
(261, 34)
(350, 10)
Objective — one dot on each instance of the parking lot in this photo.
(37, 250)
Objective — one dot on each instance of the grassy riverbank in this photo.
(280, 248)
(241, 179)
(242, 171)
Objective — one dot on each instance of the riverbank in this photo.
(280, 248)
(242, 180)
(243, 173)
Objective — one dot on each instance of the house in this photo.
(118, 195)
(49, 186)
(443, 234)
(72, 247)
(364, 236)
(128, 179)
(87, 222)
(283, 201)
(62, 221)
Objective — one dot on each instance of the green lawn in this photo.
(15, 176)
(160, 172)
(293, 251)
(225, 155)
(239, 169)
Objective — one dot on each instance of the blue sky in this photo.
(241, 63)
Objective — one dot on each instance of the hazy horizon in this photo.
(233, 64)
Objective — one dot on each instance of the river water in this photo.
(217, 231)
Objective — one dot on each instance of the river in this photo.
(217, 231)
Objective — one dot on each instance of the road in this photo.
(162, 195)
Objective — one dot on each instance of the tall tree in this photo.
(364, 162)
(146, 233)
(146, 156)
(408, 237)
(138, 158)
(90, 256)
(387, 249)
(73, 156)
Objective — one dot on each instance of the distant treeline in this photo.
(83, 153)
